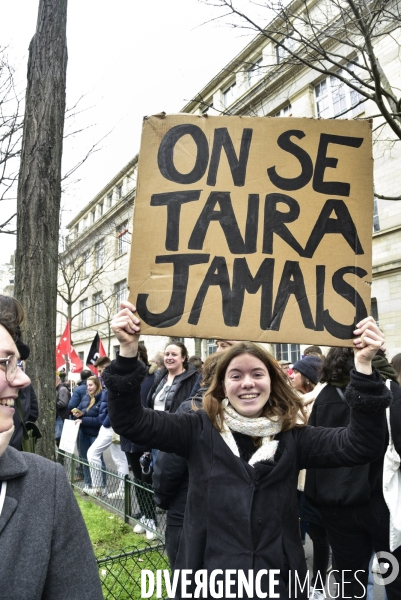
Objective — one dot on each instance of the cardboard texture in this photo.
(252, 228)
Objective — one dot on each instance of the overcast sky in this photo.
(128, 58)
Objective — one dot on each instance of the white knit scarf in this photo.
(260, 427)
(5, 437)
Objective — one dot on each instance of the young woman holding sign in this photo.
(244, 450)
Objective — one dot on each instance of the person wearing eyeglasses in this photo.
(42, 533)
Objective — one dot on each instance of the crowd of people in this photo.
(247, 455)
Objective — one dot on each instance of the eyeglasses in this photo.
(11, 365)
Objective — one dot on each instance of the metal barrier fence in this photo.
(127, 496)
(120, 573)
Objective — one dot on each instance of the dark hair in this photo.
(102, 361)
(184, 351)
(337, 365)
(85, 374)
(12, 315)
(396, 364)
(143, 353)
(312, 350)
(196, 361)
(283, 402)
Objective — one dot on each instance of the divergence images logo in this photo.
(387, 561)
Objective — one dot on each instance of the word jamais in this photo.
(245, 255)
(231, 583)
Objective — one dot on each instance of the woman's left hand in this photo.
(369, 340)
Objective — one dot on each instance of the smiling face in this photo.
(9, 391)
(173, 359)
(91, 387)
(247, 385)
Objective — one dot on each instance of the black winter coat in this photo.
(350, 485)
(146, 385)
(179, 391)
(239, 517)
(171, 480)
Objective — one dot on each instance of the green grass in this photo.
(121, 579)
(107, 531)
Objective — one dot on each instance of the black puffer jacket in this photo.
(349, 485)
(178, 392)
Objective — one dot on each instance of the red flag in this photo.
(64, 346)
(76, 365)
(65, 351)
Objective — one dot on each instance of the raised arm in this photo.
(364, 438)
(157, 429)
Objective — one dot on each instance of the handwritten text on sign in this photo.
(253, 228)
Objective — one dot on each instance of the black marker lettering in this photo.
(237, 165)
(173, 201)
(295, 183)
(291, 283)
(342, 224)
(345, 290)
(175, 309)
(323, 162)
(274, 222)
(165, 155)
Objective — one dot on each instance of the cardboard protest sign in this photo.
(253, 228)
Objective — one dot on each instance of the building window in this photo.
(376, 222)
(255, 72)
(229, 94)
(123, 239)
(115, 350)
(121, 290)
(374, 312)
(81, 357)
(120, 191)
(291, 352)
(109, 200)
(93, 216)
(85, 264)
(99, 253)
(211, 347)
(97, 308)
(285, 111)
(84, 313)
(101, 207)
(85, 222)
(76, 230)
(282, 51)
(333, 98)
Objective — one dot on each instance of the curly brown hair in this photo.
(283, 402)
(12, 315)
(338, 364)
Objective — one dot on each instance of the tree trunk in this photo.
(38, 205)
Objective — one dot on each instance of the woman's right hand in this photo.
(126, 327)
